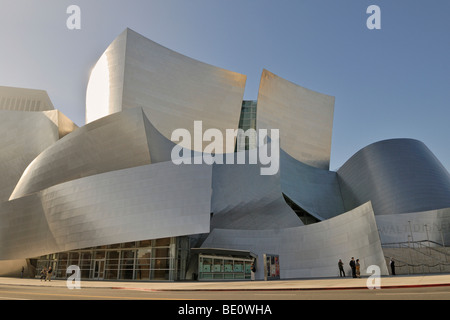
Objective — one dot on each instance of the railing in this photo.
(414, 257)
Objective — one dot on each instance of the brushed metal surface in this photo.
(64, 124)
(22, 99)
(311, 250)
(244, 199)
(397, 175)
(145, 202)
(304, 118)
(23, 136)
(174, 90)
(119, 141)
(432, 225)
(315, 190)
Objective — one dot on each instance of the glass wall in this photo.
(223, 268)
(247, 121)
(159, 259)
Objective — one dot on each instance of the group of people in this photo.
(46, 274)
(354, 265)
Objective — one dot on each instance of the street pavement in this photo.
(300, 284)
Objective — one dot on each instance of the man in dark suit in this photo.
(353, 266)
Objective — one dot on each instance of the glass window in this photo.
(112, 265)
(127, 264)
(100, 254)
(206, 265)
(161, 252)
(143, 264)
(218, 265)
(74, 258)
(145, 243)
(164, 242)
(85, 264)
(129, 244)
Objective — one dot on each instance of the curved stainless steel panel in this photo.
(244, 199)
(304, 118)
(174, 90)
(119, 141)
(23, 136)
(146, 202)
(311, 250)
(398, 176)
(315, 190)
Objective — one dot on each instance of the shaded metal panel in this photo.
(64, 124)
(311, 250)
(433, 225)
(398, 176)
(21, 99)
(315, 190)
(24, 229)
(304, 118)
(23, 136)
(146, 202)
(244, 199)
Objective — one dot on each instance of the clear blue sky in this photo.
(388, 83)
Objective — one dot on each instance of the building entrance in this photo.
(99, 269)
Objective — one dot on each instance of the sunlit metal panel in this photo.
(304, 118)
(147, 202)
(174, 90)
(311, 250)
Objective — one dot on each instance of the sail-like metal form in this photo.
(398, 176)
(304, 118)
(28, 126)
(315, 190)
(174, 90)
(111, 143)
(244, 199)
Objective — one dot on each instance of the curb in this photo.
(289, 289)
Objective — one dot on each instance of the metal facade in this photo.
(304, 118)
(112, 180)
(174, 90)
(311, 250)
(398, 176)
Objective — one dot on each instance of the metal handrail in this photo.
(435, 261)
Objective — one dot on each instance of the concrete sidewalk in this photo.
(304, 284)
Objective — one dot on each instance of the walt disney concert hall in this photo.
(107, 196)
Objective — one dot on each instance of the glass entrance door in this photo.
(99, 269)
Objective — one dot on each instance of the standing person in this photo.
(43, 273)
(341, 268)
(358, 269)
(392, 263)
(353, 266)
(253, 270)
(49, 274)
(21, 273)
